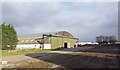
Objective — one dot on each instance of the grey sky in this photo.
(85, 20)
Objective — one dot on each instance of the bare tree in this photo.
(112, 39)
(106, 39)
(100, 39)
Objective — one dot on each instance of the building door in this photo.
(65, 45)
(68, 45)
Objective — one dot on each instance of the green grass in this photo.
(25, 51)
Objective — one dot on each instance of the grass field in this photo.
(24, 51)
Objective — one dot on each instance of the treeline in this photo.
(9, 37)
(106, 39)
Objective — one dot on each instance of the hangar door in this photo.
(65, 45)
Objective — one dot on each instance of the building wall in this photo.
(33, 46)
(47, 40)
(47, 46)
(53, 42)
(28, 41)
(60, 42)
(28, 46)
(57, 42)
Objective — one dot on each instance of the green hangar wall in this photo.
(57, 42)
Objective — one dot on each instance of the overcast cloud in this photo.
(85, 20)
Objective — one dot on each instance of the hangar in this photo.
(49, 40)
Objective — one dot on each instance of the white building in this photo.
(87, 43)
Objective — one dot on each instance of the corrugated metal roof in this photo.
(39, 35)
(35, 35)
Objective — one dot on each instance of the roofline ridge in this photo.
(42, 33)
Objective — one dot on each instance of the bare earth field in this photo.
(79, 57)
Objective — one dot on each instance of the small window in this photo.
(22, 41)
(31, 40)
(26, 40)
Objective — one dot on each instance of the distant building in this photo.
(50, 40)
(87, 43)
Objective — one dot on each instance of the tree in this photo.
(9, 37)
(106, 39)
(0, 37)
(100, 39)
(112, 39)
